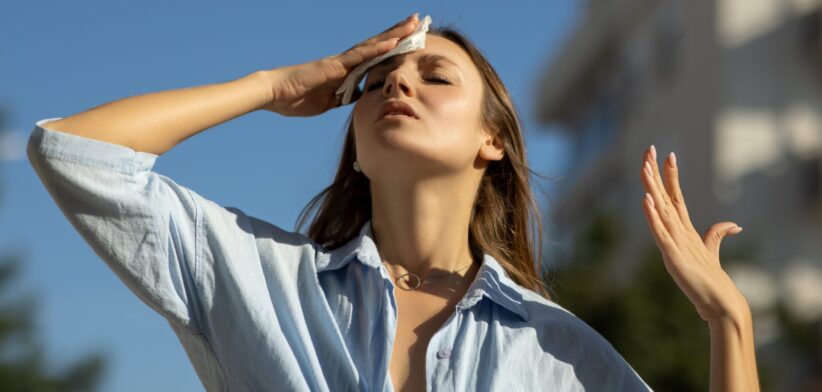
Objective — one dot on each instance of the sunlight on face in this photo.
(444, 88)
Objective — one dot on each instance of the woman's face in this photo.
(444, 88)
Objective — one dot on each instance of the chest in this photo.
(419, 317)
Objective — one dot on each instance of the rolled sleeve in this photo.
(143, 225)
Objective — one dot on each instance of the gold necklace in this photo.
(418, 279)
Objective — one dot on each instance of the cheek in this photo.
(364, 109)
(359, 114)
(356, 112)
(458, 114)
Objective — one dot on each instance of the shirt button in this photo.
(444, 353)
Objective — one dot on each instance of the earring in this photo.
(357, 167)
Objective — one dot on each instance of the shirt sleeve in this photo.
(631, 381)
(141, 224)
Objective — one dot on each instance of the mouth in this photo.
(397, 110)
(396, 116)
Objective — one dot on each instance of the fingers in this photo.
(353, 57)
(377, 44)
(661, 204)
(713, 236)
(396, 31)
(671, 181)
(657, 177)
(663, 239)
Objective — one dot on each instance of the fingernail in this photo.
(653, 152)
(737, 229)
(673, 159)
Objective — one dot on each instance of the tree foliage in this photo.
(649, 321)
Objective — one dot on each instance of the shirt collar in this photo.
(491, 281)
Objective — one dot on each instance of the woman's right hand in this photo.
(309, 89)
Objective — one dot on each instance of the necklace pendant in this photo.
(417, 279)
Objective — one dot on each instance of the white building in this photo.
(734, 87)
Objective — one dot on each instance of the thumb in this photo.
(714, 235)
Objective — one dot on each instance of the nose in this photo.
(395, 83)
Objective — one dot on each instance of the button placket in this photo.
(445, 352)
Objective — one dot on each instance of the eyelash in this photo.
(439, 79)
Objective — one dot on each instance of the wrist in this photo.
(737, 319)
(264, 82)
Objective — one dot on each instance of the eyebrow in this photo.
(426, 58)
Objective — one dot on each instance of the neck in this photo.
(423, 228)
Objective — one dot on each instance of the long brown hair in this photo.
(499, 222)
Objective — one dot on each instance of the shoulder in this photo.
(228, 223)
(545, 312)
(568, 331)
(567, 342)
(550, 318)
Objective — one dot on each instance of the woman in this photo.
(416, 273)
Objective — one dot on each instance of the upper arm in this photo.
(142, 224)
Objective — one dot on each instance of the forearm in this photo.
(733, 359)
(156, 122)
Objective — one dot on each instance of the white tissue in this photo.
(414, 41)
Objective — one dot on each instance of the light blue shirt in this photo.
(260, 308)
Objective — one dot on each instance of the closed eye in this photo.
(435, 78)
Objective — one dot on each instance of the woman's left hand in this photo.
(691, 260)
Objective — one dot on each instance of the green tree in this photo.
(23, 364)
(649, 321)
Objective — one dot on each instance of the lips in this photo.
(398, 107)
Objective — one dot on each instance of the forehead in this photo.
(437, 50)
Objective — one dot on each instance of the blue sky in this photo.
(60, 58)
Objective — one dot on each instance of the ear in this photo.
(492, 148)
